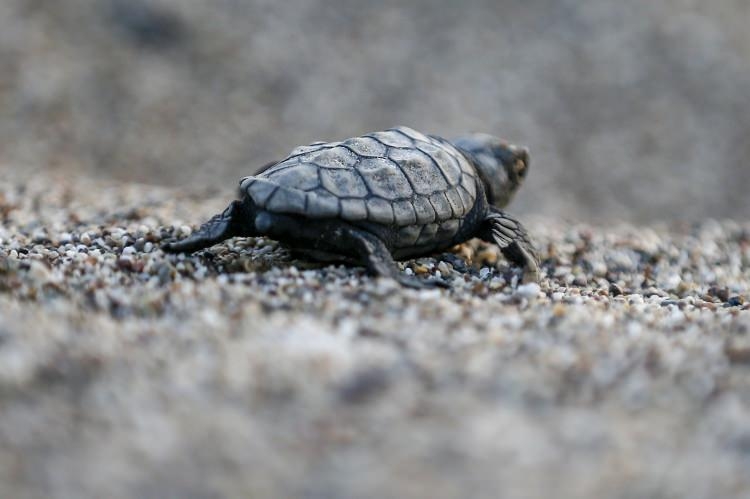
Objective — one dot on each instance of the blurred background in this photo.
(633, 110)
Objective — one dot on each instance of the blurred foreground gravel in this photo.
(241, 372)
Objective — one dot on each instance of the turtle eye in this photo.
(520, 168)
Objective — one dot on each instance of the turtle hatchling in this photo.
(391, 194)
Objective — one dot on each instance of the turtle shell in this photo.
(397, 177)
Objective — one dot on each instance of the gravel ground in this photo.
(241, 372)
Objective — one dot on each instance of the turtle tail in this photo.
(236, 220)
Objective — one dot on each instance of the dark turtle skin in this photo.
(391, 194)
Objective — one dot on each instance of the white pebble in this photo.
(528, 291)
(497, 283)
(39, 272)
(635, 299)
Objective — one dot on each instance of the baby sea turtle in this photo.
(385, 195)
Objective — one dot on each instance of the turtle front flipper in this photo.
(234, 221)
(513, 241)
(373, 253)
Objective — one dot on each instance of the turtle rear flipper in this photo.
(233, 221)
(513, 241)
(372, 252)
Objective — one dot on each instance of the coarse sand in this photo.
(241, 371)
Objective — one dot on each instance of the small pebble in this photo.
(444, 268)
(528, 291)
(635, 299)
(735, 301)
(421, 269)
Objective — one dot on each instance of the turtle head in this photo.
(501, 166)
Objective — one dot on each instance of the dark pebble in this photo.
(735, 301)
(720, 293)
(364, 386)
(459, 265)
(125, 264)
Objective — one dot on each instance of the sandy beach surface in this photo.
(242, 372)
